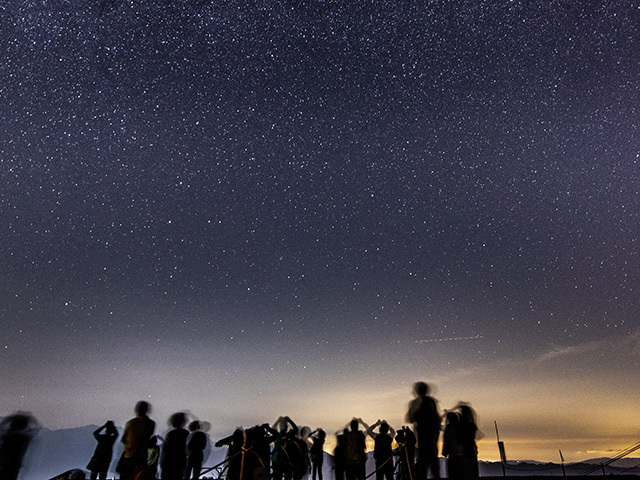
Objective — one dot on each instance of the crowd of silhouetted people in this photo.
(280, 451)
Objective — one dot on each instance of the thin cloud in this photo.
(630, 343)
(558, 351)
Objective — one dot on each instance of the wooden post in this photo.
(503, 455)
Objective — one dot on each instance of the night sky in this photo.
(265, 208)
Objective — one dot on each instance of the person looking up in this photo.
(383, 451)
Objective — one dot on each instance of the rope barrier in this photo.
(618, 456)
(627, 470)
(226, 460)
(379, 467)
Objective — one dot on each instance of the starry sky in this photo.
(265, 208)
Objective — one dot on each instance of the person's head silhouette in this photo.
(354, 425)
(384, 428)
(142, 408)
(421, 389)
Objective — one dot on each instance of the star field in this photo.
(305, 204)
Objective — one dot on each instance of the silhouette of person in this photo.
(257, 452)
(235, 443)
(135, 439)
(355, 451)
(339, 453)
(16, 432)
(261, 438)
(406, 441)
(468, 432)
(173, 459)
(101, 459)
(317, 437)
(383, 450)
(452, 446)
(196, 444)
(282, 448)
(298, 452)
(423, 413)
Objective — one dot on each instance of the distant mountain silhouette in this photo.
(629, 466)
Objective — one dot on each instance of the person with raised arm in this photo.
(317, 437)
(383, 450)
(286, 439)
(101, 459)
(355, 450)
(235, 443)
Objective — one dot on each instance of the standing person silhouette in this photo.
(173, 460)
(339, 455)
(452, 447)
(298, 453)
(261, 438)
(383, 451)
(235, 442)
(135, 439)
(468, 432)
(16, 432)
(355, 451)
(101, 459)
(317, 437)
(257, 452)
(282, 448)
(423, 413)
(196, 444)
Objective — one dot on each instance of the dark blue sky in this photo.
(203, 202)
